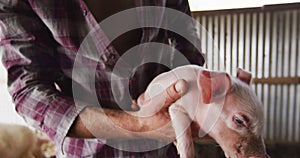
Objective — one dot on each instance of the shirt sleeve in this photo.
(28, 53)
(191, 47)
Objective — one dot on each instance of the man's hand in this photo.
(153, 114)
(156, 120)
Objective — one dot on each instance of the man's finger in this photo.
(162, 101)
(170, 95)
(174, 92)
(134, 106)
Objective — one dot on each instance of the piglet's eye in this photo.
(238, 120)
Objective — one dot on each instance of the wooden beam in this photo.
(277, 80)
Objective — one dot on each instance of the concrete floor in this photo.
(275, 150)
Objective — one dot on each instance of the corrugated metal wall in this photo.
(266, 42)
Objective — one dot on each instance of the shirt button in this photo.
(112, 56)
(103, 58)
(84, 12)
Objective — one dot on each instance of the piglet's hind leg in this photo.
(181, 124)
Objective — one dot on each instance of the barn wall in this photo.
(264, 41)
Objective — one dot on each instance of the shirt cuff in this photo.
(60, 118)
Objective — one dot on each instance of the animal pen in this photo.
(264, 41)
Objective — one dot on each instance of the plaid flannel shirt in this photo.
(39, 42)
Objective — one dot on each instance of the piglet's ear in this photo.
(244, 76)
(213, 85)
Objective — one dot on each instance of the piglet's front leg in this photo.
(181, 124)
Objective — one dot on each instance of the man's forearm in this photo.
(105, 124)
(108, 124)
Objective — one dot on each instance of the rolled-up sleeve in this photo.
(28, 53)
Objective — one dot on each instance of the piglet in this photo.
(17, 141)
(225, 108)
